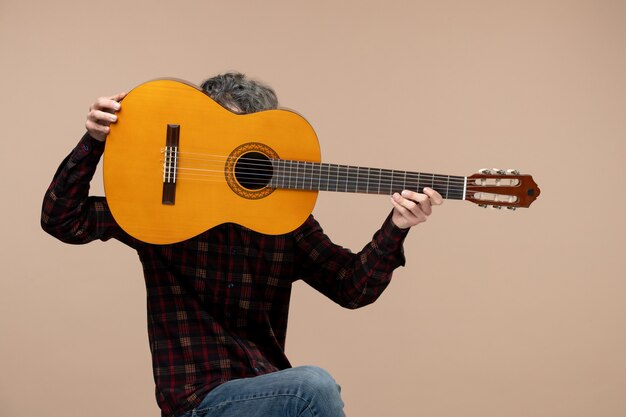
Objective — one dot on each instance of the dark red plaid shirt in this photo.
(218, 303)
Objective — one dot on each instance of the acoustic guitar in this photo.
(176, 163)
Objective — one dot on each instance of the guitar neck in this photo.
(301, 175)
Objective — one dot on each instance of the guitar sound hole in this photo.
(253, 170)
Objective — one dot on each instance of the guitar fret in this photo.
(315, 176)
(304, 175)
(410, 181)
(387, 181)
(328, 177)
(364, 178)
(284, 174)
(378, 182)
(279, 175)
(323, 177)
(332, 176)
(308, 172)
(272, 182)
(347, 178)
(397, 181)
(351, 181)
(394, 186)
(290, 173)
(424, 182)
(296, 182)
(341, 178)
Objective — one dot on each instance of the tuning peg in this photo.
(512, 172)
(511, 208)
(497, 207)
(484, 171)
(483, 205)
(499, 171)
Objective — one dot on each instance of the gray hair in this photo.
(240, 94)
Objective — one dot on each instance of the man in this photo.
(218, 303)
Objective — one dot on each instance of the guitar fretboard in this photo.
(301, 175)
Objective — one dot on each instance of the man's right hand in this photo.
(101, 115)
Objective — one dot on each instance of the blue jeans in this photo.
(306, 391)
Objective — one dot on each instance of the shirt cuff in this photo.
(393, 232)
(390, 238)
(87, 146)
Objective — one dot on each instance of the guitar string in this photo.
(384, 181)
(269, 173)
(451, 184)
(343, 187)
(253, 180)
(326, 169)
(506, 198)
(222, 157)
(385, 178)
(303, 165)
(391, 176)
(219, 176)
(349, 186)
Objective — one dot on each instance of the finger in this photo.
(425, 207)
(102, 117)
(409, 209)
(118, 97)
(415, 196)
(421, 201)
(407, 203)
(404, 213)
(435, 198)
(108, 104)
(407, 218)
(95, 128)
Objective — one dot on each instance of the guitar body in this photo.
(176, 164)
(210, 140)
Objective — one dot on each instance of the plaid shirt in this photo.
(218, 303)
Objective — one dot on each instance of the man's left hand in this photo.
(412, 208)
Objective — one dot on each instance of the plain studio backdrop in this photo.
(496, 313)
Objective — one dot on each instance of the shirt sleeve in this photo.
(352, 280)
(68, 212)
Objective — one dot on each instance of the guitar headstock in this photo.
(499, 188)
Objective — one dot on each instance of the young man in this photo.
(218, 303)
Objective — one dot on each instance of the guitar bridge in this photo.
(170, 164)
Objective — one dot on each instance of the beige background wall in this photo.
(496, 314)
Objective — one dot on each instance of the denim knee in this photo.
(321, 389)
